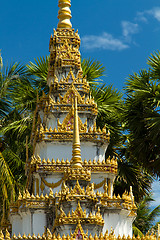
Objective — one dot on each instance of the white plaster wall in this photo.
(39, 222)
(119, 222)
(16, 222)
(54, 178)
(99, 177)
(51, 122)
(111, 221)
(26, 223)
(129, 225)
(64, 150)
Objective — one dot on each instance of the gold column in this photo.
(33, 187)
(109, 187)
(76, 161)
(37, 186)
(64, 14)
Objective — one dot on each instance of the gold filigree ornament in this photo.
(69, 96)
(77, 174)
(32, 202)
(46, 165)
(67, 124)
(78, 215)
(68, 136)
(64, 50)
(50, 185)
(77, 193)
(78, 234)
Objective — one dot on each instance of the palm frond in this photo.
(93, 70)
(154, 63)
(136, 231)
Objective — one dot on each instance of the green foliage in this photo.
(11, 151)
(39, 71)
(109, 105)
(145, 219)
(92, 70)
(141, 116)
(130, 174)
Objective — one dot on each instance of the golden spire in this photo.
(76, 150)
(64, 14)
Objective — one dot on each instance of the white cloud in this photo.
(104, 41)
(141, 17)
(129, 28)
(155, 12)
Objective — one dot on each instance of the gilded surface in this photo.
(79, 230)
(108, 166)
(79, 216)
(64, 50)
(67, 124)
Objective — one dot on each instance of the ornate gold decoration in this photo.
(96, 186)
(64, 14)
(77, 190)
(109, 166)
(68, 136)
(78, 232)
(31, 201)
(77, 174)
(79, 215)
(67, 124)
(64, 50)
(77, 193)
(50, 185)
(71, 93)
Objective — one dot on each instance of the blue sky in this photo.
(119, 33)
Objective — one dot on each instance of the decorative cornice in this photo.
(92, 134)
(47, 235)
(27, 200)
(44, 165)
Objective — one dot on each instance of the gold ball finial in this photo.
(64, 14)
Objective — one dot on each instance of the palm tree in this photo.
(145, 220)
(130, 174)
(141, 116)
(11, 163)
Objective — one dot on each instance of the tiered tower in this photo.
(69, 187)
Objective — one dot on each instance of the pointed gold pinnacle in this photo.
(76, 150)
(64, 14)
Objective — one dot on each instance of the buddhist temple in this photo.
(69, 190)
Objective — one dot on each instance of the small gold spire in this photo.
(64, 14)
(76, 150)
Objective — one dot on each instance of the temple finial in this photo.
(76, 150)
(64, 14)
